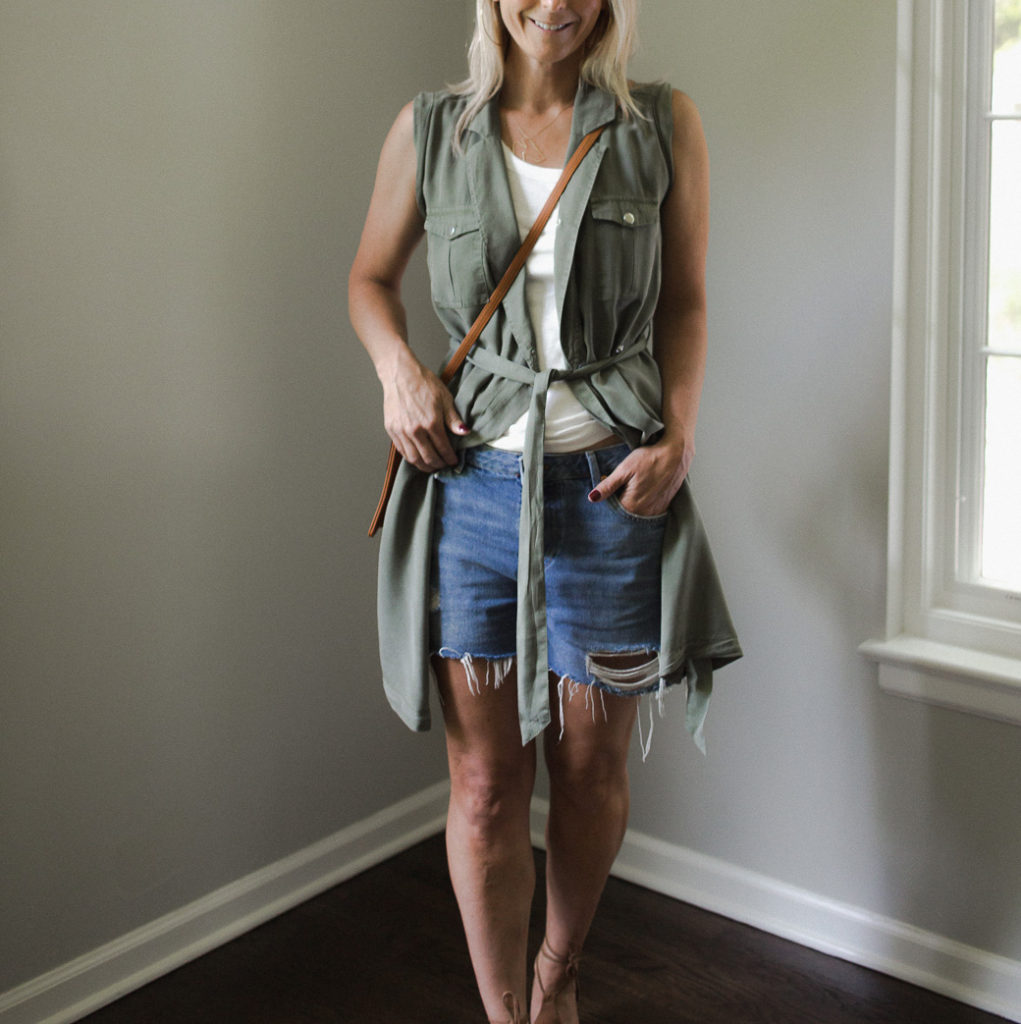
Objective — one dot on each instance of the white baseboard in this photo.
(76, 989)
(70, 992)
(972, 976)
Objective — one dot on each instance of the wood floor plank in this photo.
(387, 947)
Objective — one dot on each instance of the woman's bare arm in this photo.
(650, 476)
(418, 410)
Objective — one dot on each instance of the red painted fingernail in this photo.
(593, 496)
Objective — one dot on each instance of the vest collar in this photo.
(592, 108)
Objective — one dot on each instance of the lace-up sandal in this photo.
(513, 1007)
(548, 1013)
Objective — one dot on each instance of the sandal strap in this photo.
(570, 962)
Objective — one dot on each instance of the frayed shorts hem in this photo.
(494, 669)
(656, 685)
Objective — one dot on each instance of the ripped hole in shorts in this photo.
(623, 674)
(624, 671)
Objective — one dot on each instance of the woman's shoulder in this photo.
(649, 90)
(436, 114)
(669, 109)
(654, 123)
(659, 100)
(443, 102)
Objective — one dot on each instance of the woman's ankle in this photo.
(555, 984)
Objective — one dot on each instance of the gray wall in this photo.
(191, 438)
(815, 777)
(191, 443)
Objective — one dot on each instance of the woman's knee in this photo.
(491, 792)
(587, 774)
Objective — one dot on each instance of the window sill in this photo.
(955, 677)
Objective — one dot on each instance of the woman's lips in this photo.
(549, 26)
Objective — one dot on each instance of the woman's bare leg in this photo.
(589, 802)
(489, 848)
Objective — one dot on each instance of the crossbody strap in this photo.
(499, 293)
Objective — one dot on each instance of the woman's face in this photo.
(549, 31)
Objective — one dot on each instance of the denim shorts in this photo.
(602, 566)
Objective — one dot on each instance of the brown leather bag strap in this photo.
(499, 293)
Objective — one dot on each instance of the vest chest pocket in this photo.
(456, 272)
(621, 246)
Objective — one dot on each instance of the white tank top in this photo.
(569, 426)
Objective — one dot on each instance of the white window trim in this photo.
(941, 646)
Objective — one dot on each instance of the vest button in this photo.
(629, 218)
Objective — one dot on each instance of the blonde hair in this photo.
(610, 47)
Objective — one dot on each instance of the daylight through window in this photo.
(1000, 349)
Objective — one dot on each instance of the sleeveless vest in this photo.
(607, 260)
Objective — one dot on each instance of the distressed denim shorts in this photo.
(602, 568)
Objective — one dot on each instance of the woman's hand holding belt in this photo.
(419, 414)
(647, 480)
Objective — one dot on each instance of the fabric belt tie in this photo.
(532, 649)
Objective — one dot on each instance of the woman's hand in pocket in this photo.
(647, 480)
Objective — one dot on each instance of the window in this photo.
(990, 542)
(954, 601)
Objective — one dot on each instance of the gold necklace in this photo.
(529, 141)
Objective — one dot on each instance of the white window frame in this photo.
(948, 641)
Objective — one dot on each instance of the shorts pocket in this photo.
(613, 503)
(618, 506)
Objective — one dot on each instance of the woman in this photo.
(542, 558)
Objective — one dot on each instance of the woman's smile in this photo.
(549, 27)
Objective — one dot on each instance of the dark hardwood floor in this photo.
(386, 947)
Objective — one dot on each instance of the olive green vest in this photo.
(607, 261)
